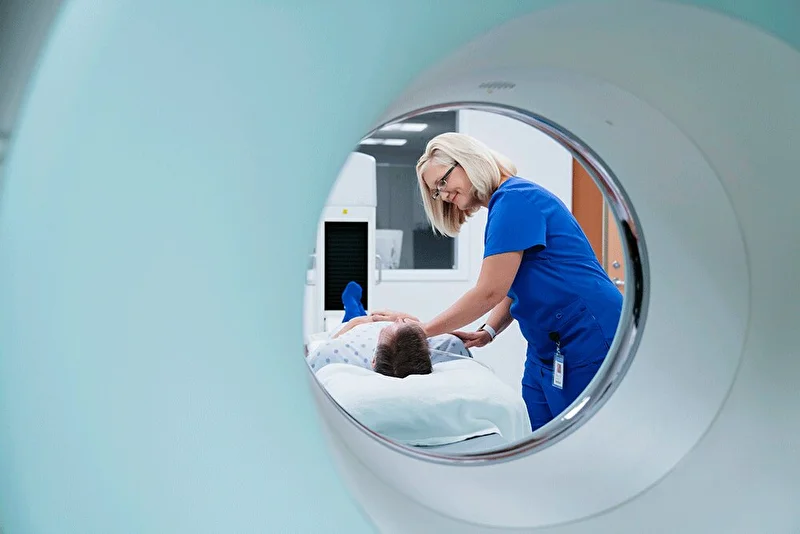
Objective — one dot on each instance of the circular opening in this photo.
(632, 318)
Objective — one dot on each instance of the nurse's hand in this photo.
(474, 339)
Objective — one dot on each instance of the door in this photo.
(588, 207)
(598, 223)
(614, 257)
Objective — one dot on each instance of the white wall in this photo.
(538, 158)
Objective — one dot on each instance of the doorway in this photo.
(599, 224)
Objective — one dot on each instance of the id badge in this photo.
(558, 371)
(558, 362)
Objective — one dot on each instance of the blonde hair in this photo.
(484, 167)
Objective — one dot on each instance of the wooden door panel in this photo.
(615, 254)
(587, 207)
(598, 223)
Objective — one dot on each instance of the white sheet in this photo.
(459, 400)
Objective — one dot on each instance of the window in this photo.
(405, 241)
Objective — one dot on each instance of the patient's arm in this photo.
(391, 316)
(352, 323)
(380, 315)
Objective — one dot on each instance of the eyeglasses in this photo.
(442, 183)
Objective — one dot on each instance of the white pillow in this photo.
(459, 400)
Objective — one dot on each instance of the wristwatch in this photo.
(489, 329)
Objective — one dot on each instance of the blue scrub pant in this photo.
(543, 400)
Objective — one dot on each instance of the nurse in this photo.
(538, 268)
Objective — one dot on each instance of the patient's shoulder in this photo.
(355, 347)
(448, 343)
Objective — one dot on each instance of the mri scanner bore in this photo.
(542, 259)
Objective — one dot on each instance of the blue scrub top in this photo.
(560, 285)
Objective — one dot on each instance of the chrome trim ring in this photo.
(634, 311)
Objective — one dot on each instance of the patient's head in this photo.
(402, 350)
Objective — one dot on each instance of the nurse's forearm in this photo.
(471, 306)
(500, 317)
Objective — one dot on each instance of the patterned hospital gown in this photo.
(357, 347)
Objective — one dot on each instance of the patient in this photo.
(402, 350)
(397, 347)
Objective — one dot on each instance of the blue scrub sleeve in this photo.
(514, 224)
